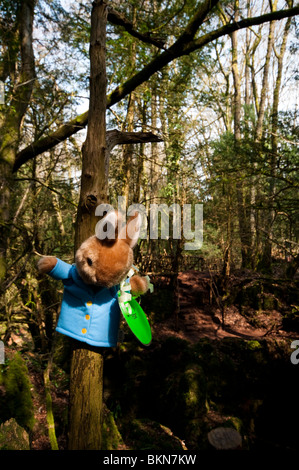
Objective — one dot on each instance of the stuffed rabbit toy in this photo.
(90, 310)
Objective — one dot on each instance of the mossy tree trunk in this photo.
(86, 398)
(87, 362)
(17, 44)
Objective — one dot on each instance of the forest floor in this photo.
(200, 316)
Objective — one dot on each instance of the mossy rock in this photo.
(194, 384)
(16, 401)
(145, 434)
(13, 436)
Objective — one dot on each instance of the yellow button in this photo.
(87, 317)
(84, 331)
(89, 303)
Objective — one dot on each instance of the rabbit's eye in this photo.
(89, 261)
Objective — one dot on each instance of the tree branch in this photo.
(51, 140)
(179, 48)
(117, 18)
(115, 137)
(231, 27)
(167, 56)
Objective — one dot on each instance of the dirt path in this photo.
(199, 318)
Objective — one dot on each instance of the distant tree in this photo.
(19, 75)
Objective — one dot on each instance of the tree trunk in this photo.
(11, 120)
(128, 156)
(264, 251)
(141, 180)
(242, 197)
(86, 382)
(94, 179)
(154, 169)
(270, 213)
(86, 398)
(129, 126)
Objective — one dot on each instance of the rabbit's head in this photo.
(105, 258)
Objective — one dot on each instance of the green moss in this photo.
(235, 423)
(194, 396)
(253, 345)
(111, 437)
(2, 268)
(13, 436)
(17, 400)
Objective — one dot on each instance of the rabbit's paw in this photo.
(46, 264)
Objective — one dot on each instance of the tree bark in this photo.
(86, 398)
(269, 217)
(127, 152)
(11, 120)
(94, 183)
(127, 156)
(242, 199)
(265, 84)
(86, 381)
(116, 137)
(154, 168)
(264, 244)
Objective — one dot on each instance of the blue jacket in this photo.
(88, 315)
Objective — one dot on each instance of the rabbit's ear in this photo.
(130, 233)
(106, 228)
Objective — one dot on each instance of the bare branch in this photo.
(115, 137)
